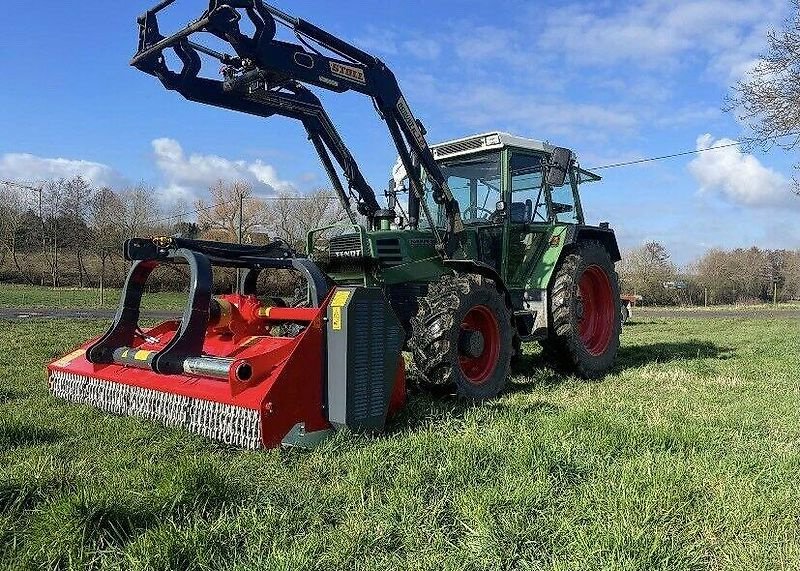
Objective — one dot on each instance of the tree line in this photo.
(68, 232)
(739, 276)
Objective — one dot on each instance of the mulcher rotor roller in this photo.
(481, 245)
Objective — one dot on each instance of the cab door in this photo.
(529, 221)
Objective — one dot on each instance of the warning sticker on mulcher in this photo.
(340, 299)
(336, 318)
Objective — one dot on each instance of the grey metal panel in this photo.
(364, 343)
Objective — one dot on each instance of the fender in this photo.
(481, 269)
(602, 234)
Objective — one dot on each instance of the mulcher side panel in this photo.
(364, 343)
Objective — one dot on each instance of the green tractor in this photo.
(526, 268)
(481, 244)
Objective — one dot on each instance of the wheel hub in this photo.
(595, 310)
(479, 344)
(471, 343)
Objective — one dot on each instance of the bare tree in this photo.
(768, 99)
(645, 270)
(219, 217)
(291, 216)
(743, 275)
(53, 202)
(75, 232)
(791, 276)
(141, 211)
(107, 228)
(15, 224)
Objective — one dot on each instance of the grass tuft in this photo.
(198, 488)
(78, 529)
(15, 434)
(194, 546)
(7, 395)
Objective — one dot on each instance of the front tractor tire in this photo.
(584, 312)
(462, 338)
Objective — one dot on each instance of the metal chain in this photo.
(232, 425)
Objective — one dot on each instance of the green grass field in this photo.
(752, 307)
(13, 295)
(687, 457)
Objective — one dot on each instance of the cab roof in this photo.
(486, 141)
(499, 140)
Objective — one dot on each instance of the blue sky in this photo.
(615, 81)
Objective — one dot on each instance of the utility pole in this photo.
(241, 239)
(39, 190)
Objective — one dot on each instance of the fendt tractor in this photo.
(479, 245)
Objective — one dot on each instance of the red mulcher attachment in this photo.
(222, 372)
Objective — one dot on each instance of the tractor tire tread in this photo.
(433, 343)
(563, 348)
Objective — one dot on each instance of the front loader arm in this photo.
(268, 77)
(235, 93)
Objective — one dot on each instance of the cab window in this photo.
(528, 203)
(563, 204)
(476, 184)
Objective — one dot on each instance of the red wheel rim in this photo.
(477, 370)
(597, 323)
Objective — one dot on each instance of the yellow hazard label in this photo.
(67, 359)
(336, 318)
(142, 355)
(340, 298)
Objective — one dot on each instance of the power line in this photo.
(331, 197)
(236, 201)
(663, 157)
(684, 153)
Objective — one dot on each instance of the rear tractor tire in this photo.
(584, 312)
(462, 338)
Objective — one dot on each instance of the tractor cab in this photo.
(514, 195)
(498, 178)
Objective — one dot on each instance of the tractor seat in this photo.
(520, 212)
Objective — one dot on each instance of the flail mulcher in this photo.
(223, 372)
(481, 245)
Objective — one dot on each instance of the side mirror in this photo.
(560, 163)
(500, 206)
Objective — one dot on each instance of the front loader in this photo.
(480, 245)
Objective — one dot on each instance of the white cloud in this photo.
(394, 41)
(423, 48)
(197, 172)
(738, 177)
(182, 177)
(485, 43)
(30, 168)
(727, 34)
(490, 107)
